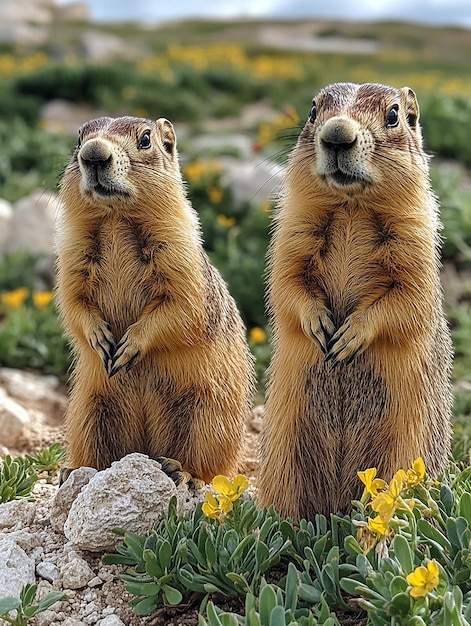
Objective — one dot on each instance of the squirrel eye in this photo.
(79, 139)
(145, 142)
(313, 113)
(392, 118)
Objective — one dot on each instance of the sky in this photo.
(439, 12)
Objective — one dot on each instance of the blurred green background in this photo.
(238, 100)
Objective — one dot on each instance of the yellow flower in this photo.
(227, 222)
(232, 490)
(417, 474)
(14, 299)
(42, 298)
(378, 525)
(372, 484)
(216, 508)
(386, 502)
(257, 335)
(423, 580)
(215, 195)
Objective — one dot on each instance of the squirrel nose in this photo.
(95, 152)
(338, 134)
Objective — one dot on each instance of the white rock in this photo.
(14, 420)
(110, 620)
(73, 621)
(16, 568)
(48, 571)
(66, 495)
(32, 224)
(76, 574)
(45, 618)
(18, 513)
(131, 494)
(100, 46)
(6, 214)
(252, 181)
(29, 542)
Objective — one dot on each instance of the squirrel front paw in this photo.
(102, 341)
(351, 339)
(319, 327)
(127, 353)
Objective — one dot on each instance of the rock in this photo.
(16, 568)
(17, 513)
(76, 573)
(6, 214)
(66, 495)
(131, 494)
(32, 224)
(110, 620)
(73, 621)
(48, 571)
(26, 541)
(62, 116)
(99, 46)
(14, 420)
(72, 12)
(33, 391)
(46, 618)
(252, 181)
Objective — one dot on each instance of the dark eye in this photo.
(392, 118)
(79, 139)
(313, 113)
(145, 142)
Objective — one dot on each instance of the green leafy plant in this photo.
(25, 607)
(48, 460)
(17, 478)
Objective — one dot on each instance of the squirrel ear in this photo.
(411, 105)
(167, 135)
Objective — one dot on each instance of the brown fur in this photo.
(362, 355)
(162, 363)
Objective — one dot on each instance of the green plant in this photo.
(49, 459)
(272, 607)
(24, 607)
(17, 478)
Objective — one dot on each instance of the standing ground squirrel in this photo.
(360, 375)
(162, 363)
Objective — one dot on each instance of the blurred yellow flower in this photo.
(416, 474)
(14, 299)
(42, 298)
(232, 490)
(372, 484)
(423, 580)
(257, 335)
(215, 195)
(226, 222)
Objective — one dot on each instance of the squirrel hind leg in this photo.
(174, 469)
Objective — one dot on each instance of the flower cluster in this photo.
(17, 298)
(217, 507)
(386, 499)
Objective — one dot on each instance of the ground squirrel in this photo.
(162, 363)
(360, 375)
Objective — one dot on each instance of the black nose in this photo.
(338, 145)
